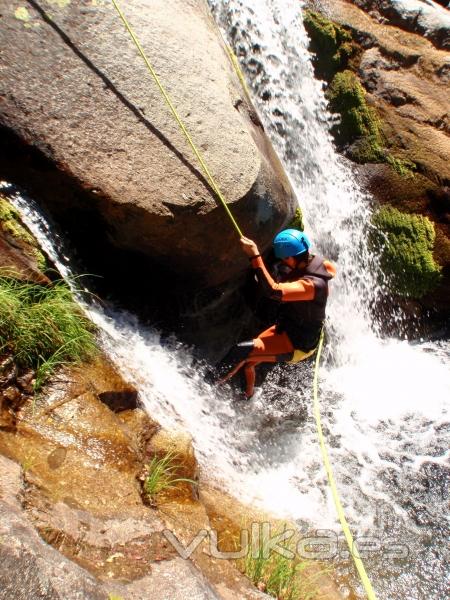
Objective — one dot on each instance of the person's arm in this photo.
(292, 291)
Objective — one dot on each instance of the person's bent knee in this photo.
(240, 352)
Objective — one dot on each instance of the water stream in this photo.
(384, 401)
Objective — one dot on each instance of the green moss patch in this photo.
(359, 121)
(11, 224)
(336, 59)
(331, 44)
(297, 221)
(403, 166)
(406, 243)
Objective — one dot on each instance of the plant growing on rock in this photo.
(43, 327)
(297, 221)
(406, 243)
(11, 224)
(162, 476)
(359, 122)
(331, 44)
(282, 577)
(402, 166)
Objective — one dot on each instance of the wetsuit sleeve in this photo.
(330, 268)
(292, 291)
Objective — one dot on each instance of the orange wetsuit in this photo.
(302, 294)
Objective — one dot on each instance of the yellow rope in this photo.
(348, 536)
(178, 119)
(237, 67)
(340, 511)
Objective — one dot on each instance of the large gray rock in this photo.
(74, 86)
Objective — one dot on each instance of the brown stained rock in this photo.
(105, 381)
(18, 250)
(122, 548)
(79, 490)
(11, 394)
(8, 371)
(179, 444)
(407, 81)
(30, 568)
(27, 563)
(187, 519)
(176, 579)
(16, 260)
(80, 463)
(80, 451)
(74, 87)
(141, 427)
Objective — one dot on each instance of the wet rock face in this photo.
(20, 255)
(418, 16)
(74, 87)
(404, 79)
(30, 568)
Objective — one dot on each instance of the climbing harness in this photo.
(186, 133)
(348, 536)
(337, 502)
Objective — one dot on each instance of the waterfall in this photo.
(388, 399)
(384, 401)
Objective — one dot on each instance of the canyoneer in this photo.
(300, 288)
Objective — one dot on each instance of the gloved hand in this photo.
(249, 247)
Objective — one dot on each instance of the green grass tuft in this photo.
(43, 327)
(161, 476)
(406, 243)
(283, 577)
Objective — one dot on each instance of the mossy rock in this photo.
(297, 221)
(11, 224)
(331, 44)
(406, 244)
(359, 122)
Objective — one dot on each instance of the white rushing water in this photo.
(384, 401)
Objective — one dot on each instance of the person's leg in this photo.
(234, 360)
(269, 347)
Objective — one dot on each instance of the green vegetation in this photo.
(283, 577)
(332, 45)
(406, 243)
(43, 327)
(297, 221)
(359, 122)
(402, 166)
(114, 597)
(28, 463)
(161, 476)
(336, 61)
(10, 223)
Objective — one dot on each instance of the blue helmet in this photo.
(291, 242)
